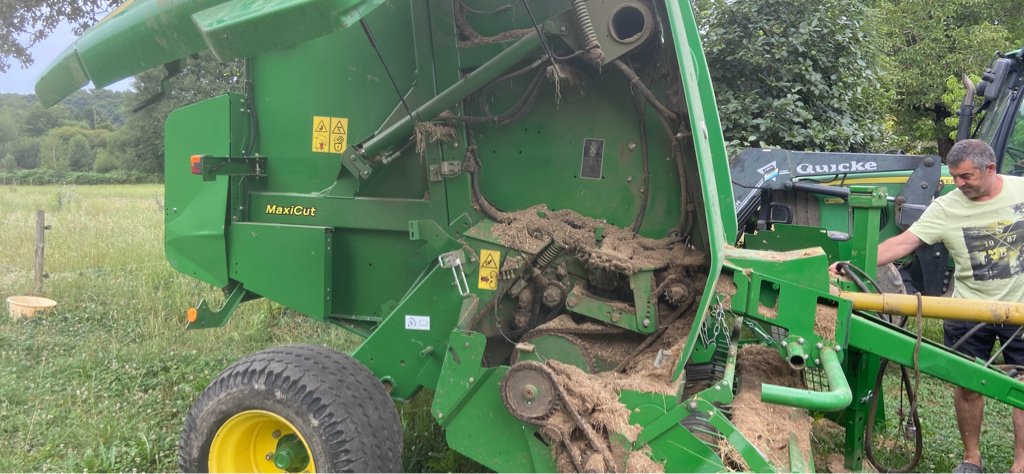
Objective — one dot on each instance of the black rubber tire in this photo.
(338, 406)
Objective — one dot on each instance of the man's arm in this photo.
(892, 249)
(897, 247)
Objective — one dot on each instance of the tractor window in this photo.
(1013, 157)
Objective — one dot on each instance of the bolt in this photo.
(471, 380)
(269, 456)
(570, 302)
(924, 185)
(276, 434)
(647, 322)
(440, 415)
(819, 345)
(364, 173)
(466, 345)
(800, 341)
(785, 343)
(631, 146)
(629, 179)
(455, 145)
(616, 317)
(529, 392)
(693, 405)
(718, 388)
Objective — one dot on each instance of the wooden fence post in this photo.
(40, 246)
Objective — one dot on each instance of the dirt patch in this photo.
(768, 426)
(595, 242)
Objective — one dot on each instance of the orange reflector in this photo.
(191, 315)
(197, 162)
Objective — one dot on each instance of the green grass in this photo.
(104, 382)
(942, 448)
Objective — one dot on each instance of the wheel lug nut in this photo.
(276, 434)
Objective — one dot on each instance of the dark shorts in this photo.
(980, 343)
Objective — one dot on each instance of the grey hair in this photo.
(975, 151)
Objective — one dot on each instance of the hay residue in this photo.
(768, 426)
(825, 317)
(431, 132)
(595, 397)
(595, 242)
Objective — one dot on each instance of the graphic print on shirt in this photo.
(996, 250)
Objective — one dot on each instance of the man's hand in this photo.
(836, 270)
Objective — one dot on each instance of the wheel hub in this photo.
(259, 441)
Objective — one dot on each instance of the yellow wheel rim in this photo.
(248, 441)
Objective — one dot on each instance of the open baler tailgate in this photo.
(147, 33)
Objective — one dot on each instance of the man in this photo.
(982, 225)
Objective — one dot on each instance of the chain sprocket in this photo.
(529, 392)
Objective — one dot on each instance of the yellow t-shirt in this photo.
(985, 239)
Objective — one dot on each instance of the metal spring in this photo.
(552, 251)
(594, 53)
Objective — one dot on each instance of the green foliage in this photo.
(41, 176)
(8, 164)
(26, 22)
(80, 154)
(799, 75)
(926, 42)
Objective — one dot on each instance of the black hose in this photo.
(869, 430)
(852, 271)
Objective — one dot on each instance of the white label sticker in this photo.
(417, 323)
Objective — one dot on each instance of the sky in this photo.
(23, 81)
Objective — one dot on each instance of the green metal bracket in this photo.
(207, 318)
(612, 312)
(212, 166)
(460, 374)
(867, 203)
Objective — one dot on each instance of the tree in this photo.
(26, 152)
(26, 22)
(80, 154)
(8, 164)
(796, 74)
(927, 42)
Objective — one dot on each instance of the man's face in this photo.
(976, 183)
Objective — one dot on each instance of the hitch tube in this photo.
(838, 398)
(979, 311)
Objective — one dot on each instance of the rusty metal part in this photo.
(529, 392)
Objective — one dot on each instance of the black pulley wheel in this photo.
(293, 409)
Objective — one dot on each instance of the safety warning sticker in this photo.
(330, 134)
(593, 158)
(489, 261)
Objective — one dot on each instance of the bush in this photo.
(48, 176)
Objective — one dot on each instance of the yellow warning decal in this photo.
(489, 265)
(330, 134)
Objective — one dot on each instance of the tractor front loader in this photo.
(523, 206)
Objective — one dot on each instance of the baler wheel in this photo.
(293, 409)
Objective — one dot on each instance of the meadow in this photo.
(103, 383)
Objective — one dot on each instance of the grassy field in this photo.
(103, 383)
